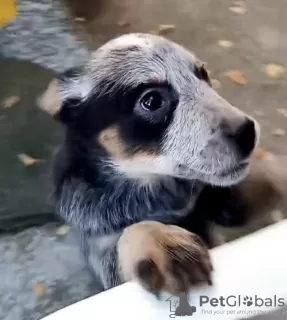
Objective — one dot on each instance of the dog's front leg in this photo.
(162, 257)
(102, 258)
(159, 257)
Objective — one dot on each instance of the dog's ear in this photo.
(65, 95)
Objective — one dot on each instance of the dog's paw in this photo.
(163, 257)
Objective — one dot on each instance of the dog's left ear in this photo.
(65, 94)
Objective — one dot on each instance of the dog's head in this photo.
(148, 103)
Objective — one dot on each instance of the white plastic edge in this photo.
(252, 265)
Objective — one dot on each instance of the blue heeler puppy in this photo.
(151, 154)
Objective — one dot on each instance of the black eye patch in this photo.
(141, 114)
(153, 108)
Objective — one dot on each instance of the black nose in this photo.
(244, 137)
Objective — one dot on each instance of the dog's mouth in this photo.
(234, 170)
(227, 176)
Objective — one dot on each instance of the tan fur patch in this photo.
(50, 101)
(135, 163)
(112, 143)
(110, 139)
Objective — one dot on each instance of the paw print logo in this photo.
(247, 301)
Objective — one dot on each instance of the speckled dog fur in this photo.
(148, 144)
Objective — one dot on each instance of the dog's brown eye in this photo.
(154, 105)
(151, 101)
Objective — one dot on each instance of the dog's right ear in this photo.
(65, 95)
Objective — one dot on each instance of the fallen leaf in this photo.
(10, 101)
(236, 76)
(163, 29)
(166, 28)
(260, 153)
(27, 160)
(39, 289)
(63, 230)
(282, 111)
(80, 19)
(215, 84)
(278, 132)
(274, 71)
(8, 11)
(276, 215)
(123, 23)
(238, 9)
(225, 43)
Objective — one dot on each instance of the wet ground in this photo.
(40, 268)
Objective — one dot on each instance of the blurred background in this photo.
(244, 45)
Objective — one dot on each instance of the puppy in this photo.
(150, 155)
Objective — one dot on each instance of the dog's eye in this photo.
(151, 100)
(155, 105)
